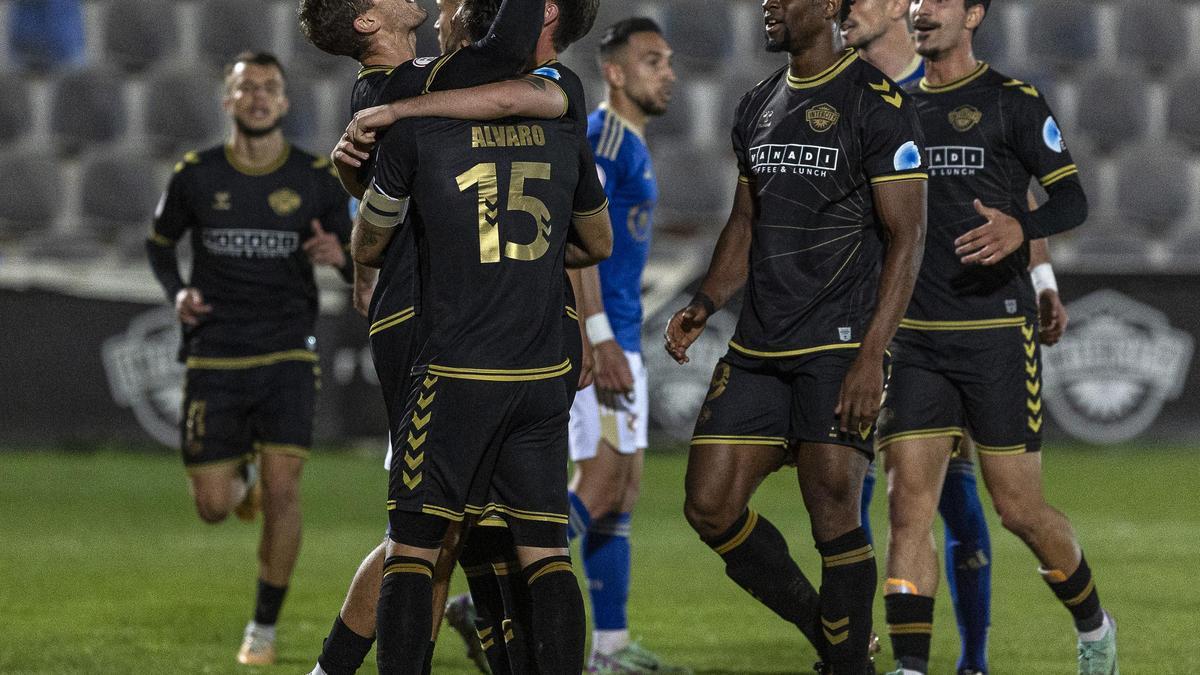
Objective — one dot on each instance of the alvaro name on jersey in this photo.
(811, 150)
(987, 134)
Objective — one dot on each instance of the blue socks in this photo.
(578, 520)
(968, 562)
(606, 560)
(867, 492)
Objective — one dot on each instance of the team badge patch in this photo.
(549, 72)
(822, 117)
(1052, 135)
(844, 333)
(907, 157)
(964, 118)
(424, 61)
(284, 201)
(1011, 306)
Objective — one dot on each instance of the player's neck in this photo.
(950, 65)
(815, 58)
(629, 112)
(257, 152)
(390, 52)
(545, 50)
(893, 53)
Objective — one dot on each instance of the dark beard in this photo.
(781, 46)
(648, 108)
(256, 133)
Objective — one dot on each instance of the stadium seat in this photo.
(303, 122)
(86, 108)
(140, 33)
(15, 107)
(1183, 115)
(29, 200)
(1151, 35)
(183, 111)
(1112, 107)
(227, 27)
(700, 33)
(120, 192)
(1154, 187)
(695, 183)
(1063, 32)
(992, 40)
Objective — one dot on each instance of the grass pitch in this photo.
(104, 568)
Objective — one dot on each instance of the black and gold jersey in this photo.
(987, 134)
(490, 204)
(248, 228)
(810, 151)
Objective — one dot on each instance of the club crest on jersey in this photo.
(964, 118)
(284, 201)
(822, 117)
(844, 333)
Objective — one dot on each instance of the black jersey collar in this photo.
(371, 70)
(850, 56)
(957, 84)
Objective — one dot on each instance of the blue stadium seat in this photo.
(139, 34)
(183, 111)
(1183, 115)
(15, 107)
(1112, 107)
(1152, 35)
(227, 27)
(30, 194)
(1154, 187)
(120, 192)
(1063, 32)
(87, 108)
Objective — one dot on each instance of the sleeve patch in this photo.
(908, 157)
(1052, 135)
(547, 71)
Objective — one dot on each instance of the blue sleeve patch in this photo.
(1052, 136)
(907, 157)
(547, 71)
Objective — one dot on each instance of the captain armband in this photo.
(381, 210)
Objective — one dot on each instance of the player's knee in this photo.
(1016, 516)
(211, 508)
(708, 514)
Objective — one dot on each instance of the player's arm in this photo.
(587, 361)
(901, 208)
(528, 96)
(726, 275)
(348, 157)
(385, 203)
(1052, 314)
(172, 219)
(590, 240)
(1038, 144)
(506, 48)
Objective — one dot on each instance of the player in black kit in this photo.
(491, 283)
(967, 353)
(261, 214)
(826, 235)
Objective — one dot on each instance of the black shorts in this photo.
(473, 448)
(230, 411)
(947, 382)
(778, 402)
(392, 340)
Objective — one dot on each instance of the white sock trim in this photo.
(1099, 633)
(608, 642)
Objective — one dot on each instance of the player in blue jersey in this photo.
(609, 419)
(880, 31)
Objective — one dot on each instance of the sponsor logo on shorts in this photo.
(844, 333)
(144, 374)
(1116, 367)
(1010, 306)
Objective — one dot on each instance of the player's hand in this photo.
(364, 288)
(614, 380)
(349, 154)
(324, 248)
(1052, 317)
(190, 306)
(861, 395)
(991, 242)
(683, 329)
(362, 129)
(587, 362)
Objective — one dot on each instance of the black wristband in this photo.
(701, 298)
